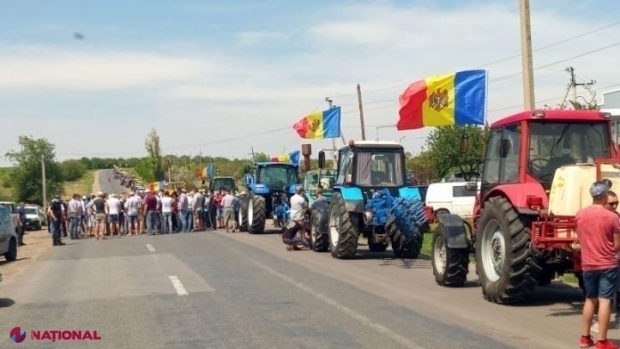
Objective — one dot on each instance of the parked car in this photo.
(35, 218)
(12, 207)
(8, 236)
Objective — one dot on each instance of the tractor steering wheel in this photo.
(538, 168)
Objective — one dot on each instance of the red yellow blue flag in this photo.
(452, 99)
(319, 125)
(292, 157)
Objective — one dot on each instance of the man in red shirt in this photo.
(598, 230)
(150, 208)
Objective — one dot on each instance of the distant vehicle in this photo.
(8, 236)
(450, 197)
(12, 207)
(35, 217)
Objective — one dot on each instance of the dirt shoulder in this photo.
(37, 243)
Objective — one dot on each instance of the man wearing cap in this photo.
(55, 213)
(299, 207)
(598, 231)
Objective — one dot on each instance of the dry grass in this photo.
(82, 186)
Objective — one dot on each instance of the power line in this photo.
(507, 58)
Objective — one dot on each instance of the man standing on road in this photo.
(132, 208)
(184, 211)
(113, 209)
(150, 208)
(199, 204)
(21, 228)
(55, 214)
(98, 205)
(75, 216)
(598, 231)
(166, 214)
(228, 210)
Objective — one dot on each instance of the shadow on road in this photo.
(6, 302)
(15, 261)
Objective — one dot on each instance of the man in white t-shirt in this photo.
(166, 214)
(132, 208)
(113, 210)
(291, 235)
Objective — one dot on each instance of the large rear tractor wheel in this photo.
(319, 230)
(450, 265)
(257, 214)
(242, 217)
(402, 245)
(343, 229)
(507, 268)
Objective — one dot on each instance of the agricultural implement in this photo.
(537, 169)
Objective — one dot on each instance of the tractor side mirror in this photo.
(464, 144)
(248, 180)
(321, 159)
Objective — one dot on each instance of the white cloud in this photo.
(258, 37)
(203, 95)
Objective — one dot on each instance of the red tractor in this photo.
(536, 174)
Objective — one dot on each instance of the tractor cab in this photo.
(370, 167)
(529, 151)
(277, 176)
(325, 179)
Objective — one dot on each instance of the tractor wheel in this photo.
(506, 266)
(242, 217)
(545, 277)
(320, 239)
(450, 265)
(343, 229)
(377, 247)
(403, 246)
(256, 214)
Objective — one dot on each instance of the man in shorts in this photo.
(113, 210)
(228, 210)
(598, 231)
(100, 217)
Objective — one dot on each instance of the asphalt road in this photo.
(218, 290)
(108, 184)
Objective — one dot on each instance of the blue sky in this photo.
(209, 75)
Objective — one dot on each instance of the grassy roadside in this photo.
(82, 186)
(568, 278)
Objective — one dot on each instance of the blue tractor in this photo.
(371, 198)
(270, 186)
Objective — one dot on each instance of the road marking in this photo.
(178, 286)
(353, 314)
(150, 248)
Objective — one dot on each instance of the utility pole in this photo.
(361, 106)
(43, 181)
(573, 84)
(526, 55)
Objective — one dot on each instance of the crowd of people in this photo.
(104, 215)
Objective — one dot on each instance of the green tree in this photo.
(153, 149)
(73, 170)
(422, 166)
(444, 153)
(27, 175)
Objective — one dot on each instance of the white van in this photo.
(451, 197)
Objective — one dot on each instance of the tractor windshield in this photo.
(383, 168)
(555, 144)
(228, 183)
(277, 175)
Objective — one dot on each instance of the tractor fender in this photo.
(259, 189)
(353, 198)
(455, 231)
(412, 193)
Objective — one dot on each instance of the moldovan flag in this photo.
(319, 125)
(292, 157)
(443, 100)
